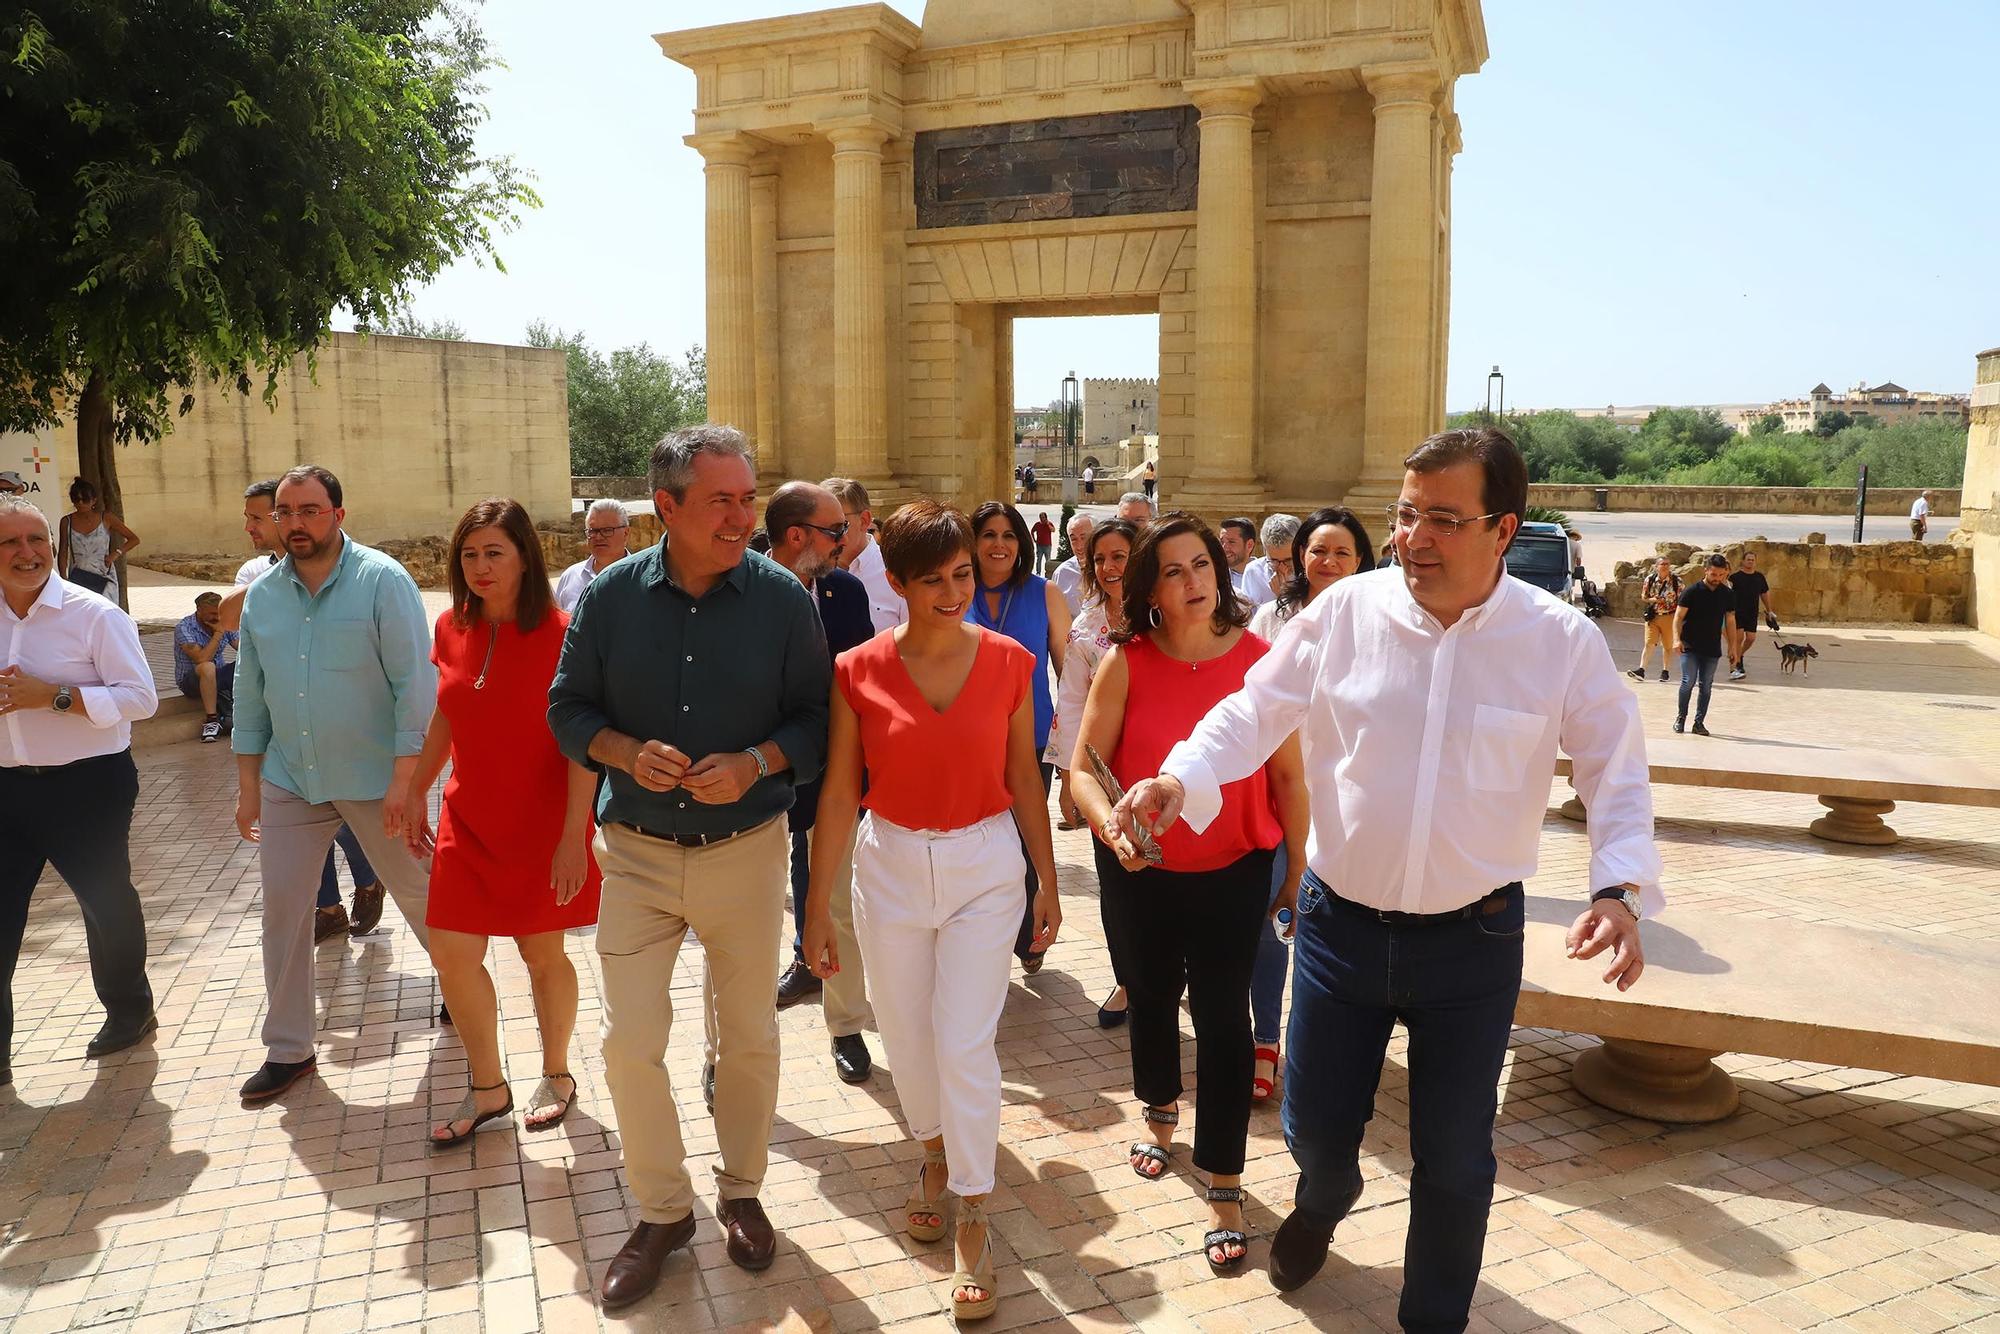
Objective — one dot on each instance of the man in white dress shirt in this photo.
(1433, 697)
(1239, 539)
(861, 555)
(73, 680)
(605, 528)
(1266, 576)
(1068, 576)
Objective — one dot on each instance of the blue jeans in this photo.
(357, 867)
(1267, 978)
(1696, 667)
(1453, 985)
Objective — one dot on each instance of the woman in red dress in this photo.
(512, 852)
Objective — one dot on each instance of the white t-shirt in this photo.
(1921, 510)
(1089, 474)
(255, 568)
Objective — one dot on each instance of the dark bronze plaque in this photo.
(1075, 167)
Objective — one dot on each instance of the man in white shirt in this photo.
(1920, 517)
(861, 556)
(1266, 576)
(73, 680)
(605, 526)
(1068, 577)
(1089, 480)
(1239, 539)
(1432, 697)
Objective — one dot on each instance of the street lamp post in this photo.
(1491, 380)
(1070, 408)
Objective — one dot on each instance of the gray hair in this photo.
(672, 466)
(1278, 532)
(1089, 524)
(11, 504)
(606, 506)
(1137, 497)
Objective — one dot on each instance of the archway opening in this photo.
(1090, 452)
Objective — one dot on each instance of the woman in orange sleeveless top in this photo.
(939, 715)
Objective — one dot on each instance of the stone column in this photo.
(860, 328)
(1452, 142)
(1402, 260)
(764, 274)
(1225, 291)
(732, 323)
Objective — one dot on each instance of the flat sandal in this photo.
(545, 1095)
(468, 1110)
(919, 1204)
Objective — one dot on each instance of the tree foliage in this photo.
(621, 404)
(187, 192)
(1695, 447)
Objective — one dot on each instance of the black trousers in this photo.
(78, 817)
(1024, 939)
(1197, 930)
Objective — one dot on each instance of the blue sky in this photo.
(1699, 202)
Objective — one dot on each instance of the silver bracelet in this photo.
(763, 768)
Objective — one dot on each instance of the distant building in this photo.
(1887, 403)
(1115, 411)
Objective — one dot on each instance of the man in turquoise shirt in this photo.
(334, 687)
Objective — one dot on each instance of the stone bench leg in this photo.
(1573, 808)
(1855, 820)
(1681, 1085)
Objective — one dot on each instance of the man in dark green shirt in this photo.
(695, 678)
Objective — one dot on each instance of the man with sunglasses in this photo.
(1432, 696)
(605, 526)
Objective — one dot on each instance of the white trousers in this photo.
(936, 914)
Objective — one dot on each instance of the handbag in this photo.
(96, 583)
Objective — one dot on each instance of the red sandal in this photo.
(1261, 1088)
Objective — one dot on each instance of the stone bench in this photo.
(1857, 787)
(1896, 1001)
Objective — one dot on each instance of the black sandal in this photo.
(1225, 1236)
(469, 1111)
(546, 1096)
(1153, 1153)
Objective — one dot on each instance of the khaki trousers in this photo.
(731, 894)
(844, 996)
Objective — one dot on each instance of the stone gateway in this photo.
(1271, 177)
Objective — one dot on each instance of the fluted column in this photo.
(860, 328)
(1402, 266)
(1225, 287)
(764, 274)
(732, 324)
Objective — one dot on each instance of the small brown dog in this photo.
(1796, 655)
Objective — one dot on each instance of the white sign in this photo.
(31, 466)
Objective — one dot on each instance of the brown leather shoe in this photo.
(329, 922)
(752, 1242)
(367, 908)
(636, 1268)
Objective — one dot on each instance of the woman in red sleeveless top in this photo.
(1192, 919)
(512, 851)
(940, 716)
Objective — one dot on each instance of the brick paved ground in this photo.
(139, 1194)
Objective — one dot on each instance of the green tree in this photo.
(1768, 424)
(620, 405)
(1831, 423)
(406, 325)
(188, 192)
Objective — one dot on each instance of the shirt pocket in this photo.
(344, 646)
(1503, 745)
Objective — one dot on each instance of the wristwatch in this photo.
(1630, 898)
(64, 699)
(757, 754)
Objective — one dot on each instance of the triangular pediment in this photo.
(965, 22)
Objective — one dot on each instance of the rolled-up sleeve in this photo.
(1244, 730)
(576, 695)
(808, 683)
(1602, 736)
(405, 635)
(127, 694)
(251, 732)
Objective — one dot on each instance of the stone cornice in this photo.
(761, 36)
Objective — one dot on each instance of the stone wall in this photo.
(614, 488)
(417, 430)
(423, 557)
(1818, 583)
(1979, 529)
(1829, 500)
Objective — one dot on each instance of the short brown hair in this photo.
(1505, 490)
(852, 496)
(534, 601)
(920, 537)
(1142, 572)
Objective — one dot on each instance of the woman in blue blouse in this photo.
(1029, 610)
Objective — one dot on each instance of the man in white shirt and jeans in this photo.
(73, 680)
(861, 555)
(1432, 696)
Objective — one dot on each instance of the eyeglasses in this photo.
(306, 512)
(834, 534)
(1446, 524)
(605, 532)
